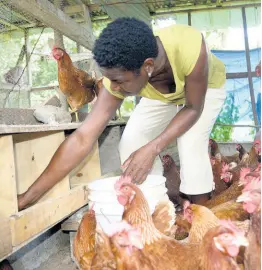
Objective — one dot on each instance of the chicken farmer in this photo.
(182, 88)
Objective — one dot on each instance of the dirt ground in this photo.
(59, 261)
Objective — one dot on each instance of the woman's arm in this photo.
(74, 149)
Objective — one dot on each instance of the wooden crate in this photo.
(23, 158)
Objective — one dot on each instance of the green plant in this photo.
(228, 115)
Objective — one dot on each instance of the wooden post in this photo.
(250, 81)
(28, 66)
(189, 18)
(59, 41)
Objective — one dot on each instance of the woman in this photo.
(182, 85)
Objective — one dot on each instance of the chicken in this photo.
(251, 159)
(217, 168)
(215, 152)
(229, 194)
(104, 257)
(230, 210)
(76, 84)
(251, 198)
(242, 151)
(126, 243)
(201, 219)
(164, 252)
(164, 217)
(172, 175)
(84, 241)
(232, 174)
(220, 246)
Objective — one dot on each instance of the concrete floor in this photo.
(50, 251)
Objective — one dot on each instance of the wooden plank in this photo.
(212, 6)
(5, 238)
(88, 170)
(72, 223)
(8, 193)
(7, 129)
(29, 222)
(250, 81)
(46, 12)
(33, 152)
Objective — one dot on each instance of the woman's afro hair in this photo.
(125, 43)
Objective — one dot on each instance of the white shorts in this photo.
(151, 117)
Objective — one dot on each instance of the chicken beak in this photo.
(118, 193)
(242, 241)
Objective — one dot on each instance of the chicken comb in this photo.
(231, 226)
(122, 180)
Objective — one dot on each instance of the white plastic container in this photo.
(108, 209)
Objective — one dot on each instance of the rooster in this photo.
(251, 198)
(77, 85)
(167, 253)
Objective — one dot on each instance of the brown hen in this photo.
(77, 85)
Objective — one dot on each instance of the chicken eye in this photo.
(126, 188)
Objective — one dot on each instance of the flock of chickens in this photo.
(224, 234)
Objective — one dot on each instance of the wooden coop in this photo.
(26, 145)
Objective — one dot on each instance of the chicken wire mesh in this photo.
(28, 74)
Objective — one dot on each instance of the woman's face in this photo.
(128, 83)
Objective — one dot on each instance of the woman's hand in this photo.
(140, 163)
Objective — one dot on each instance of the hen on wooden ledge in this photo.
(77, 85)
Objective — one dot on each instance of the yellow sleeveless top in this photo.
(182, 44)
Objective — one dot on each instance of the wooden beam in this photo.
(190, 8)
(250, 81)
(70, 10)
(51, 16)
(5, 238)
(12, 25)
(28, 223)
(8, 192)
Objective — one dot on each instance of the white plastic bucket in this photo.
(108, 209)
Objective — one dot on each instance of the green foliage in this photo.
(228, 115)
